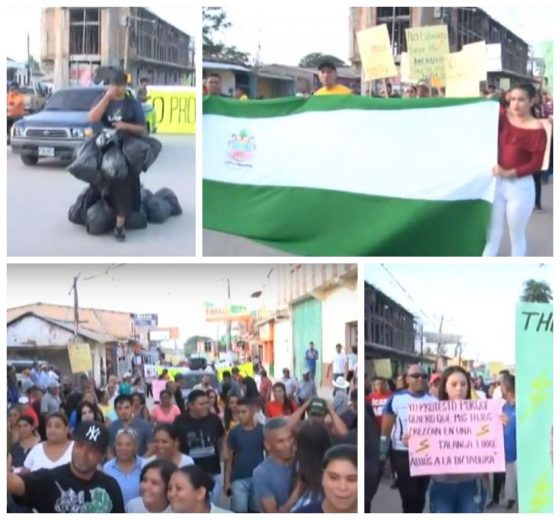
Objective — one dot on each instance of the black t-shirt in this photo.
(314, 507)
(127, 110)
(58, 490)
(199, 439)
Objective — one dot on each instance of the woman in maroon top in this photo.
(521, 147)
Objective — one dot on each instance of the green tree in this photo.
(214, 21)
(536, 292)
(191, 343)
(315, 58)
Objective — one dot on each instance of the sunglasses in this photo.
(130, 432)
(418, 376)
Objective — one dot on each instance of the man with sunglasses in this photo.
(394, 428)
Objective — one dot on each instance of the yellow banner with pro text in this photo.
(175, 109)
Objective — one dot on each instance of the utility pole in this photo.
(229, 321)
(76, 311)
(28, 62)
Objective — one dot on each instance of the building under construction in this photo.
(391, 332)
(465, 25)
(78, 43)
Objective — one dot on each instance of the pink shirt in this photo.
(159, 416)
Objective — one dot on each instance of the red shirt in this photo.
(521, 149)
(377, 402)
(276, 409)
(28, 410)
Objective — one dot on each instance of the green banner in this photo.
(534, 392)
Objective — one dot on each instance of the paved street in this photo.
(39, 198)
(539, 236)
(388, 500)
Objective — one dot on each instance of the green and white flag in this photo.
(352, 176)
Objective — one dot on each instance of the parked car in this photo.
(62, 126)
(35, 99)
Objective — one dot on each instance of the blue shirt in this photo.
(311, 358)
(273, 480)
(510, 428)
(128, 482)
(248, 450)
(397, 405)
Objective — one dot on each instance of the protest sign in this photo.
(427, 48)
(375, 53)
(505, 83)
(80, 358)
(157, 387)
(534, 391)
(405, 68)
(460, 76)
(175, 108)
(494, 57)
(383, 368)
(495, 367)
(455, 437)
(476, 53)
(246, 370)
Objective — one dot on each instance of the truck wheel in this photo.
(29, 160)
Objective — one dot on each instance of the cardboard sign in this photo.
(427, 48)
(375, 53)
(534, 394)
(494, 57)
(80, 358)
(383, 368)
(175, 109)
(455, 437)
(476, 53)
(405, 68)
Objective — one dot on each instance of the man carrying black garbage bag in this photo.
(120, 111)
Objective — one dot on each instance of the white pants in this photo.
(514, 199)
(511, 481)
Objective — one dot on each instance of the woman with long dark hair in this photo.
(313, 441)
(281, 405)
(521, 146)
(28, 438)
(213, 401)
(251, 392)
(86, 411)
(154, 480)
(456, 493)
(339, 482)
(230, 412)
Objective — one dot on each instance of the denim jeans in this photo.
(217, 491)
(463, 497)
(243, 496)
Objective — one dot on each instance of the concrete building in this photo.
(316, 303)
(77, 41)
(465, 24)
(44, 331)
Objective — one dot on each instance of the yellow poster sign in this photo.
(80, 358)
(246, 370)
(175, 109)
(427, 48)
(375, 53)
(405, 68)
(477, 56)
(462, 79)
(383, 368)
(494, 368)
(505, 83)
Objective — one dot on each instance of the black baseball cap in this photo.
(327, 64)
(318, 407)
(93, 432)
(118, 77)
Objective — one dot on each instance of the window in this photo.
(84, 31)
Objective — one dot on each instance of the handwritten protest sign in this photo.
(375, 53)
(534, 406)
(427, 48)
(80, 358)
(462, 78)
(505, 83)
(455, 437)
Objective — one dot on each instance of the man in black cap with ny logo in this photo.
(77, 487)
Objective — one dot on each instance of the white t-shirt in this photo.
(481, 394)
(136, 505)
(185, 460)
(352, 361)
(37, 458)
(339, 363)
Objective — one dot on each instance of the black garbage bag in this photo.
(158, 210)
(78, 211)
(169, 196)
(87, 162)
(140, 152)
(100, 218)
(137, 220)
(113, 163)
